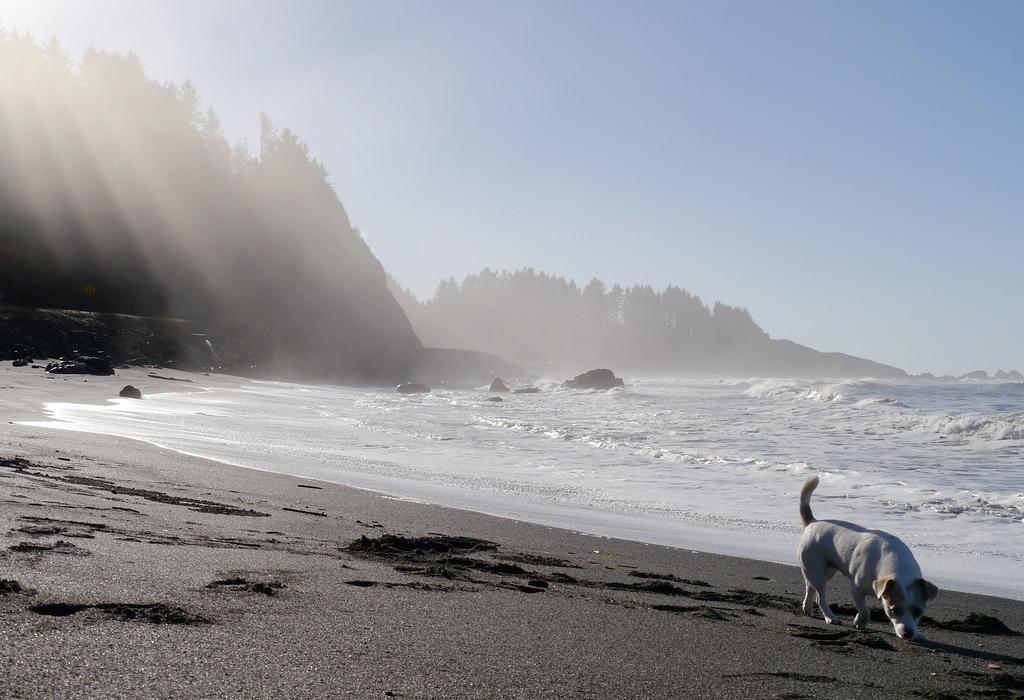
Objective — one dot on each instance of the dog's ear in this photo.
(928, 589)
(883, 586)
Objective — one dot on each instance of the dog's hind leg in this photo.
(817, 577)
(863, 612)
(809, 596)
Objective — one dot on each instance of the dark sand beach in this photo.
(131, 571)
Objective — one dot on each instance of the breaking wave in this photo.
(875, 409)
(1007, 427)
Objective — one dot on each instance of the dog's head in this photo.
(904, 604)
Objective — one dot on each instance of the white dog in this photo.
(875, 562)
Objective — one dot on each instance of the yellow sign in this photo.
(90, 290)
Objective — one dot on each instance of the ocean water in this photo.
(712, 465)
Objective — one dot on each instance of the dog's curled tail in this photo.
(805, 500)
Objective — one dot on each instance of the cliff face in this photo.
(38, 334)
(120, 195)
(346, 328)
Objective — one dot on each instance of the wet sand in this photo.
(128, 571)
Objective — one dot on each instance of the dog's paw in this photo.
(861, 622)
(833, 621)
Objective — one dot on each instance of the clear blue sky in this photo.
(852, 173)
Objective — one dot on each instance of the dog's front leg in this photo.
(863, 612)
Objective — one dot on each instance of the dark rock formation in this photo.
(600, 379)
(499, 386)
(413, 388)
(977, 375)
(99, 366)
(183, 345)
(130, 392)
(22, 361)
(528, 390)
(126, 340)
(494, 398)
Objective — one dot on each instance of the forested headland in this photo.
(547, 321)
(121, 194)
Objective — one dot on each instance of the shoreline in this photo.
(709, 533)
(216, 579)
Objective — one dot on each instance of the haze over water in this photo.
(707, 464)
